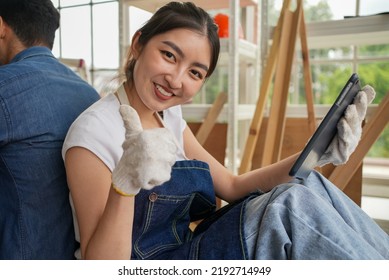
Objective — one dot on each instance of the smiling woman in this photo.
(137, 180)
(167, 66)
(169, 60)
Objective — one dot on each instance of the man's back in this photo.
(39, 99)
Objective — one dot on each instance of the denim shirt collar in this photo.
(31, 52)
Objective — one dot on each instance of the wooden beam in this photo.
(263, 94)
(211, 118)
(307, 74)
(275, 129)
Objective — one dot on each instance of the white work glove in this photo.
(148, 156)
(349, 129)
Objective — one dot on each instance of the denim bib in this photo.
(163, 214)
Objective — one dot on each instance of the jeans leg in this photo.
(312, 219)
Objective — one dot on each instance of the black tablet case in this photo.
(326, 131)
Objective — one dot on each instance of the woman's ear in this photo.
(2, 28)
(135, 46)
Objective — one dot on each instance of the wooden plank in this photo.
(211, 118)
(296, 135)
(256, 122)
(353, 188)
(275, 129)
(307, 75)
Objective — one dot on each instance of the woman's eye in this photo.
(168, 54)
(197, 74)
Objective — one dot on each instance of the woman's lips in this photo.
(163, 93)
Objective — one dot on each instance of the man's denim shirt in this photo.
(39, 99)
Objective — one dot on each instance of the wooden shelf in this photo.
(247, 51)
(197, 112)
(357, 31)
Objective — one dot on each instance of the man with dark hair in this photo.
(39, 99)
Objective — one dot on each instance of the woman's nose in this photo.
(175, 80)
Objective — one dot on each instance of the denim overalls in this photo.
(163, 214)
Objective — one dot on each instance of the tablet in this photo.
(326, 131)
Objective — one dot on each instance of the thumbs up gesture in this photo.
(148, 156)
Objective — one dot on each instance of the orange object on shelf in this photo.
(222, 21)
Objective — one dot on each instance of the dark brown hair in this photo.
(33, 21)
(177, 15)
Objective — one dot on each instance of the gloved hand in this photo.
(349, 129)
(148, 156)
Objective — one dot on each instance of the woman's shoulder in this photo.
(98, 129)
(104, 105)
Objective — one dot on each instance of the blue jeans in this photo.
(311, 220)
(39, 99)
(163, 214)
(298, 220)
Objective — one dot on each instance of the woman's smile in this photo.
(168, 70)
(162, 93)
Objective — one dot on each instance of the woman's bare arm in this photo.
(230, 187)
(104, 217)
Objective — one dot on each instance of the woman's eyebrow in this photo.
(174, 47)
(181, 53)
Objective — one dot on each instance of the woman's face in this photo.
(171, 68)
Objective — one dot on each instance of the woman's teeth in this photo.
(163, 92)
